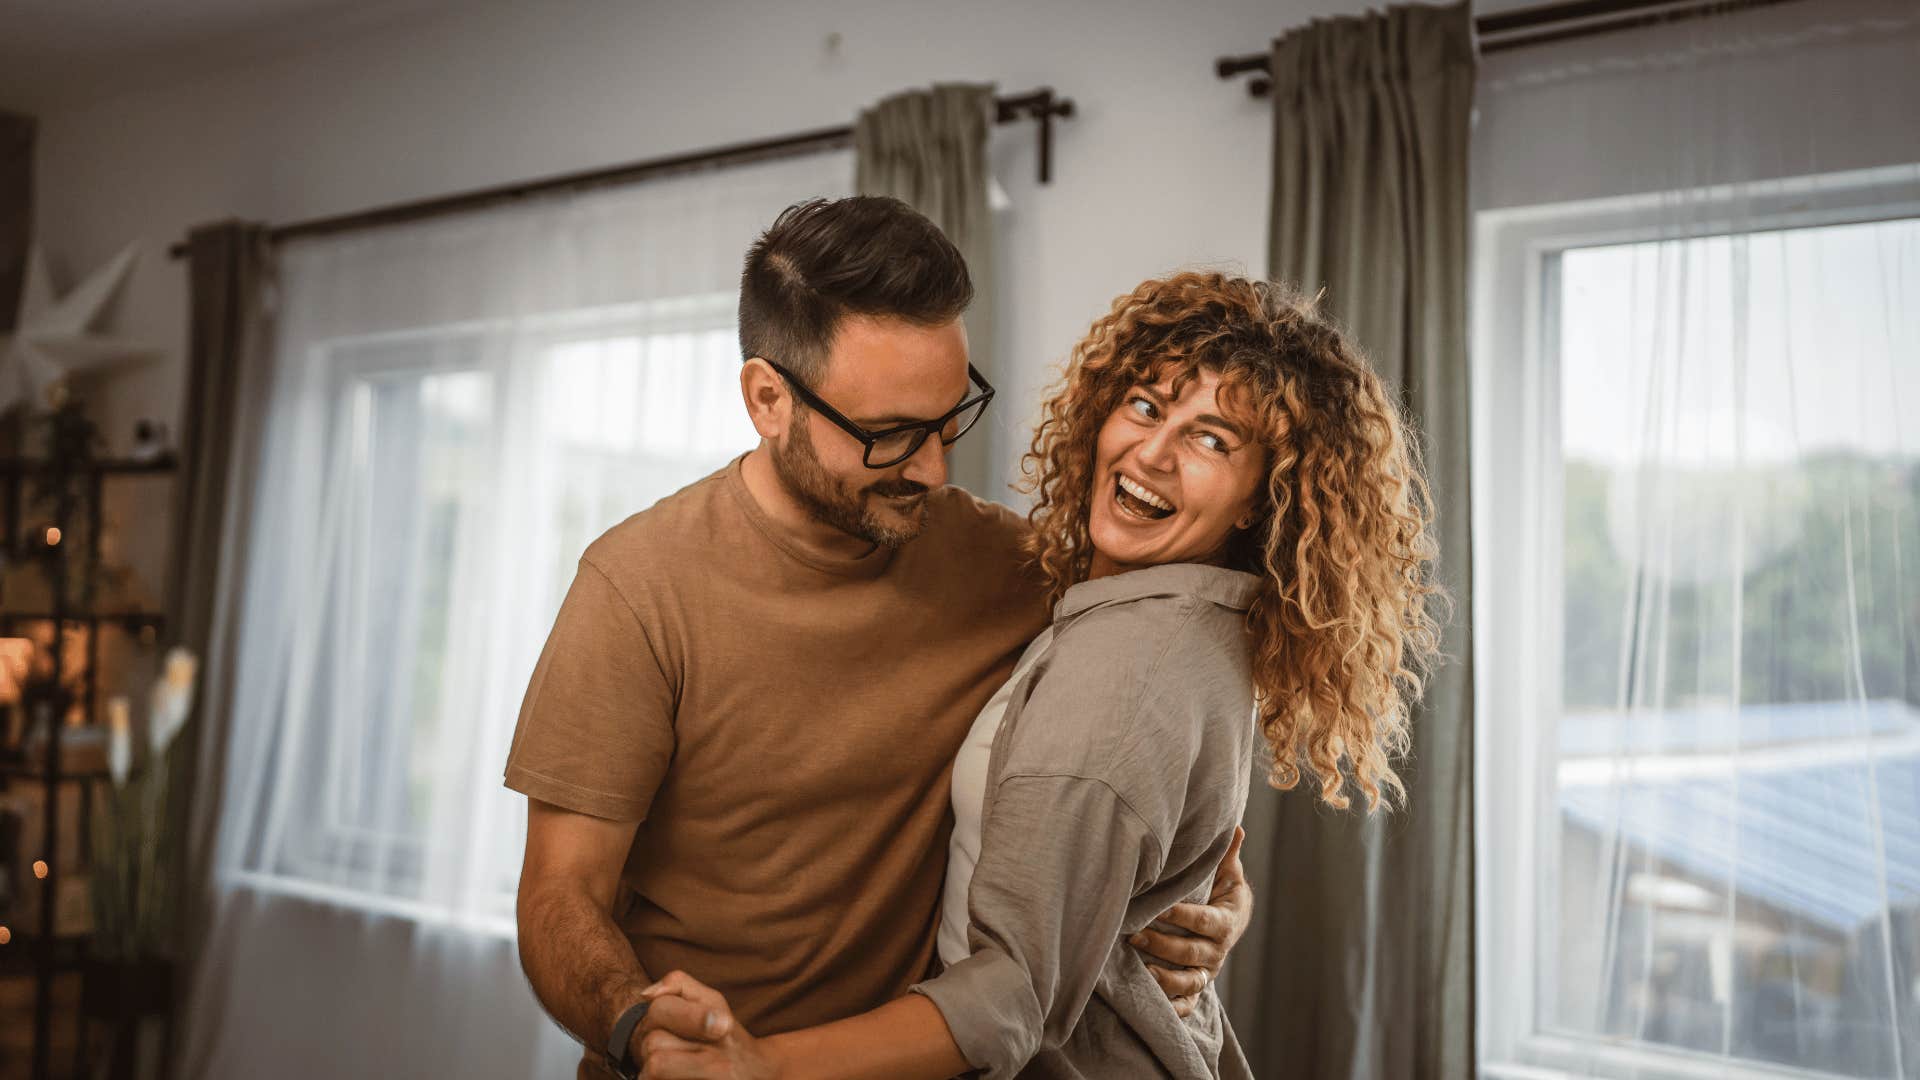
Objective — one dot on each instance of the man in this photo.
(736, 743)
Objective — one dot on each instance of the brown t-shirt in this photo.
(782, 725)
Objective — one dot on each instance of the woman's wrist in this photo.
(778, 1051)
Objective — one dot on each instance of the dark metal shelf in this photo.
(125, 618)
(18, 956)
(22, 769)
(16, 466)
(21, 482)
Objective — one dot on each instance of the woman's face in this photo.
(1173, 477)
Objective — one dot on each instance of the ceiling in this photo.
(57, 54)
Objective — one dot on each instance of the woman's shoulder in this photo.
(1157, 631)
(1130, 692)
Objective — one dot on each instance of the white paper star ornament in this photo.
(53, 338)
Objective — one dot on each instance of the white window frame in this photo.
(1516, 463)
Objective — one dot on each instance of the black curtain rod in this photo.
(1041, 105)
(1538, 26)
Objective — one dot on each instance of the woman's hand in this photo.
(1217, 926)
(690, 1034)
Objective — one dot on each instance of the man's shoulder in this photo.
(663, 537)
(968, 519)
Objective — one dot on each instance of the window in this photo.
(436, 449)
(1699, 722)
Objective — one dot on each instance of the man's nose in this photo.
(928, 465)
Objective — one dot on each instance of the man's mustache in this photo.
(901, 490)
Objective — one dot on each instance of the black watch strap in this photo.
(619, 1044)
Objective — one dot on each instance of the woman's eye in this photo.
(1214, 442)
(1142, 406)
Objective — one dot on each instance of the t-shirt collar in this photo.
(1228, 588)
(869, 565)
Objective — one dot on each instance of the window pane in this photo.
(1738, 780)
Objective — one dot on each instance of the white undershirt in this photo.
(969, 794)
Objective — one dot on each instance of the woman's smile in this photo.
(1139, 500)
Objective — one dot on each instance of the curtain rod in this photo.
(1538, 26)
(1041, 105)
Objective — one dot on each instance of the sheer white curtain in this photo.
(459, 407)
(1698, 480)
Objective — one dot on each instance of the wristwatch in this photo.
(619, 1044)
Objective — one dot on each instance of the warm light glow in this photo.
(53, 535)
(39, 868)
(6, 935)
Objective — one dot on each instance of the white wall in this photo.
(1759, 95)
(1164, 164)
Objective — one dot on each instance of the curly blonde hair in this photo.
(1341, 633)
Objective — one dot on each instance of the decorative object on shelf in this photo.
(42, 695)
(83, 747)
(54, 339)
(16, 659)
(149, 441)
(119, 739)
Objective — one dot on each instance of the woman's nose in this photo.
(1156, 451)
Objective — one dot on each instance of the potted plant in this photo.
(129, 970)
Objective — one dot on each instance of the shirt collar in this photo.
(1229, 588)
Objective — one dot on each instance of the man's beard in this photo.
(831, 501)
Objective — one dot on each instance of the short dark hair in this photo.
(824, 259)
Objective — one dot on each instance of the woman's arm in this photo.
(691, 1035)
(1060, 858)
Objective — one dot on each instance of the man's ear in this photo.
(769, 403)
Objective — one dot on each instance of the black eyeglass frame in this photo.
(924, 427)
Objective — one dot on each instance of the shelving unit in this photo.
(42, 951)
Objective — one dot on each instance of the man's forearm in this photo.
(580, 965)
(905, 1039)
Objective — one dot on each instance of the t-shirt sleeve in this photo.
(595, 733)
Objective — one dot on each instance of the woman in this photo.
(1233, 524)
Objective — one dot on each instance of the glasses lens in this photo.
(958, 425)
(895, 448)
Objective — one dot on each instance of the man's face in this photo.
(880, 372)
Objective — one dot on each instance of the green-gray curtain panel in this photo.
(230, 270)
(16, 209)
(928, 148)
(1360, 961)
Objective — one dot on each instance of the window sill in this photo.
(1559, 1057)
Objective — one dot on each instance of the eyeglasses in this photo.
(891, 446)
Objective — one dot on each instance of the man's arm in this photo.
(1188, 964)
(579, 963)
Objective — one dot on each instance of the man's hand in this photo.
(690, 1034)
(1216, 924)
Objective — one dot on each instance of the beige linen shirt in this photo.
(1115, 782)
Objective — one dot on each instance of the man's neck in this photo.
(766, 489)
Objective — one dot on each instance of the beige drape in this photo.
(230, 279)
(928, 148)
(1360, 963)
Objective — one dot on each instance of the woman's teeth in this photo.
(1138, 501)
